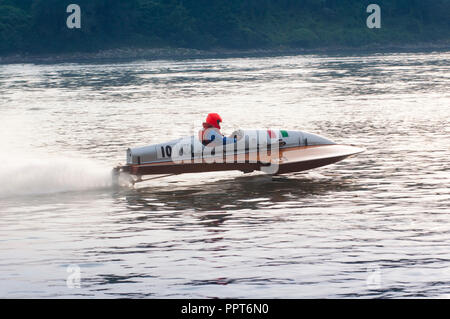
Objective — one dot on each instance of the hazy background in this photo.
(39, 26)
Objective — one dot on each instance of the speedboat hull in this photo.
(277, 152)
(294, 159)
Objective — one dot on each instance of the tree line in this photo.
(39, 26)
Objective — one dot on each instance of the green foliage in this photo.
(40, 25)
(303, 37)
(14, 25)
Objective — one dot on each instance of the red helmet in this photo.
(214, 119)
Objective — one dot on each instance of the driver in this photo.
(211, 131)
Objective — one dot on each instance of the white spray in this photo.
(43, 175)
(26, 170)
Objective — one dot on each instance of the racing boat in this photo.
(271, 151)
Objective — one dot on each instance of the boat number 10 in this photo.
(166, 151)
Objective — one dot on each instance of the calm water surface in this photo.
(374, 225)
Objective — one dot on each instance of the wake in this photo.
(34, 175)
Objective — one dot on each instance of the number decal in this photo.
(166, 151)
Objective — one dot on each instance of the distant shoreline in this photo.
(132, 54)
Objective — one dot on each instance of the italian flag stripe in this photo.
(284, 133)
(272, 134)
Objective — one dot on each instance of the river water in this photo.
(374, 225)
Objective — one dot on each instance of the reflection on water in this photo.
(373, 225)
(244, 192)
